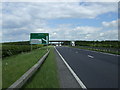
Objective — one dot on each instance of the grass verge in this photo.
(116, 53)
(15, 66)
(0, 73)
(46, 76)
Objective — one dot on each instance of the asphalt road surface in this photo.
(95, 70)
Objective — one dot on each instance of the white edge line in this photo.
(75, 76)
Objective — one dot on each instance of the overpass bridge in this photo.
(63, 42)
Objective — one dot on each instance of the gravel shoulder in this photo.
(65, 77)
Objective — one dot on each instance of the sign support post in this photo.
(31, 47)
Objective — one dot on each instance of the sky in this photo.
(62, 20)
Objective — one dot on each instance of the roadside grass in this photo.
(99, 50)
(15, 66)
(46, 76)
(0, 66)
(0, 73)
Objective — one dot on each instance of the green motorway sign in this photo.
(39, 38)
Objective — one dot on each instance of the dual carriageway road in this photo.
(94, 69)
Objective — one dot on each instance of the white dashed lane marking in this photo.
(90, 56)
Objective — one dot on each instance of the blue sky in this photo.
(70, 21)
(110, 16)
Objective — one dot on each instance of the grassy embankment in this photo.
(46, 76)
(0, 73)
(15, 66)
(110, 46)
(0, 66)
(99, 50)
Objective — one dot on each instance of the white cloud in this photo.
(17, 15)
(87, 29)
(67, 33)
(101, 34)
(60, 1)
(20, 19)
(113, 23)
(109, 35)
(58, 10)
